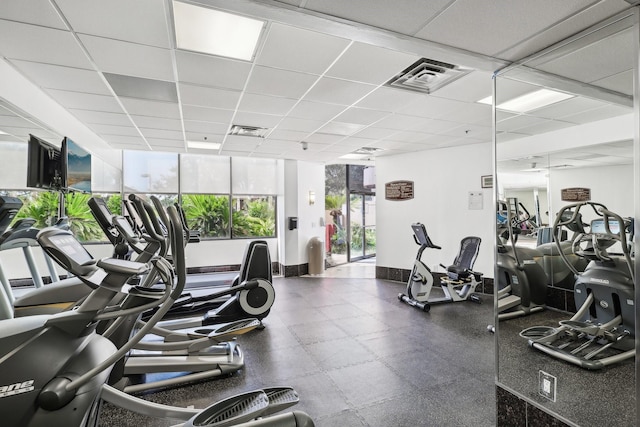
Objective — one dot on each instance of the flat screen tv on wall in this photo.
(44, 165)
(76, 163)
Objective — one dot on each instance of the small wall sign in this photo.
(398, 190)
(576, 194)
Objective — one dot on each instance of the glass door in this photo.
(362, 228)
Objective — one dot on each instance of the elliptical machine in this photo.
(459, 284)
(53, 367)
(602, 332)
(522, 281)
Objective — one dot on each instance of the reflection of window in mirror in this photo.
(565, 300)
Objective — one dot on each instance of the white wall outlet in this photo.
(547, 386)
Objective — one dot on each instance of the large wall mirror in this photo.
(564, 134)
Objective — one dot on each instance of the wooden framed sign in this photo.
(398, 190)
(575, 194)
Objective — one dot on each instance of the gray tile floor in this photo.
(359, 357)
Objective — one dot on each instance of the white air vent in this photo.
(427, 75)
(254, 131)
(367, 150)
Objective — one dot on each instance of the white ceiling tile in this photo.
(65, 78)
(241, 143)
(124, 139)
(206, 127)
(324, 138)
(85, 101)
(142, 107)
(370, 64)
(211, 70)
(315, 110)
(375, 132)
(363, 116)
(471, 131)
(208, 96)
(573, 24)
(254, 103)
(287, 135)
(596, 61)
(517, 122)
(41, 44)
(129, 59)
(256, 119)
(390, 99)
(547, 126)
(337, 91)
(280, 145)
(620, 82)
(355, 142)
(341, 128)
(469, 88)
(436, 126)
(507, 26)
(570, 106)
(38, 12)
(401, 16)
(142, 21)
(400, 122)
(204, 114)
(433, 107)
(271, 81)
(114, 130)
(297, 49)
(468, 112)
(301, 125)
(100, 117)
(157, 123)
(409, 136)
(597, 114)
(162, 134)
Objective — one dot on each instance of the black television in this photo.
(44, 165)
(76, 166)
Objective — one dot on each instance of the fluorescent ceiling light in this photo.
(214, 32)
(530, 101)
(352, 156)
(3, 133)
(534, 100)
(203, 145)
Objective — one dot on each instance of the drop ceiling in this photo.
(319, 73)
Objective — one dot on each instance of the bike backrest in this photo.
(469, 248)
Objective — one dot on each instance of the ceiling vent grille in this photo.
(427, 76)
(254, 131)
(367, 150)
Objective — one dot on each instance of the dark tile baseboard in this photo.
(514, 411)
(402, 275)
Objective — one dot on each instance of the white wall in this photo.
(610, 185)
(442, 182)
(300, 178)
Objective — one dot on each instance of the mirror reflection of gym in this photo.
(583, 139)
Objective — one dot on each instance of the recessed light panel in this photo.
(203, 145)
(530, 101)
(214, 32)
